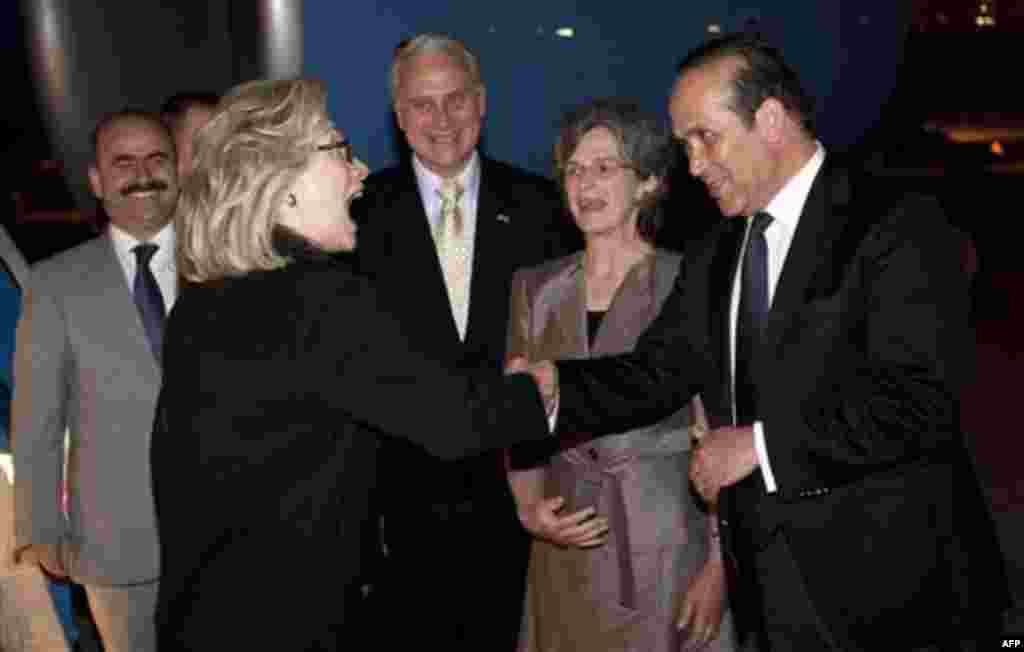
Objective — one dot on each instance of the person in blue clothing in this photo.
(35, 610)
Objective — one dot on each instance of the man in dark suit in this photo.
(442, 236)
(825, 326)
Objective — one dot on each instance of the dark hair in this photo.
(174, 108)
(644, 141)
(762, 73)
(129, 112)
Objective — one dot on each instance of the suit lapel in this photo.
(723, 270)
(490, 257)
(823, 219)
(109, 300)
(561, 307)
(630, 311)
(414, 249)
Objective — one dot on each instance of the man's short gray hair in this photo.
(432, 44)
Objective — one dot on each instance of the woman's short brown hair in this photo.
(644, 142)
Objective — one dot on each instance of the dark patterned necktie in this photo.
(750, 318)
(148, 299)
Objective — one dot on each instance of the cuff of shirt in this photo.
(553, 417)
(7, 467)
(762, 458)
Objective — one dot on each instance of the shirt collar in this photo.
(429, 183)
(125, 242)
(787, 205)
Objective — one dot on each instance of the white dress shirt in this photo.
(429, 184)
(162, 264)
(785, 209)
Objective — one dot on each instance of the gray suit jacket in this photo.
(83, 365)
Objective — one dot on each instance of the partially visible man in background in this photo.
(27, 617)
(185, 114)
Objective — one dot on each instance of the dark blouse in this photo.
(594, 319)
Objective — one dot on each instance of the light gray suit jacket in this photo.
(83, 365)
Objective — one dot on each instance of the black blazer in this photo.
(520, 221)
(276, 387)
(859, 376)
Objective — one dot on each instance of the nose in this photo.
(361, 168)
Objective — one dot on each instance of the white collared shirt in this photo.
(785, 209)
(429, 183)
(162, 264)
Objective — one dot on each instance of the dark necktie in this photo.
(148, 299)
(750, 317)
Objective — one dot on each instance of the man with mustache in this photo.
(88, 364)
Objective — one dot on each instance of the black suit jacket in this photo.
(276, 388)
(520, 222)
(858, 378)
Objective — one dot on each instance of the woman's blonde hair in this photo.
(247, 157)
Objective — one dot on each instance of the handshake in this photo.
(544, 373)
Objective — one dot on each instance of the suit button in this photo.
(722, 522)
(593, 454)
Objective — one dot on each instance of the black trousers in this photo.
(453, 578)
(790, 622)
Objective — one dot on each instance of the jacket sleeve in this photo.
(388, 383)
(39, 416)
(617, 393)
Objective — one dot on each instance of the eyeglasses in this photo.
(339, 148)
(602, 169)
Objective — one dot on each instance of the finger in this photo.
(574, 535)
(592, 543)
(596, 529)
(685, 615)
(515, 365)
(576, 518)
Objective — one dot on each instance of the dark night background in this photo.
(924, 92)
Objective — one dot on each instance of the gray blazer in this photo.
(83, 365)
(27, 618)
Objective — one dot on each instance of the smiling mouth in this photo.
(591, 205)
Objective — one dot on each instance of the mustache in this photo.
(149, 186)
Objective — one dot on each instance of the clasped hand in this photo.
(721, 458)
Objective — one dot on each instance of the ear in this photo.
(95, 184)
(396, 107)
(770, 119)
(483, 100)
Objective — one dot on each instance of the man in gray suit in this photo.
(87, 363)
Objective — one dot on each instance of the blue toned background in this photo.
(846, 52)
